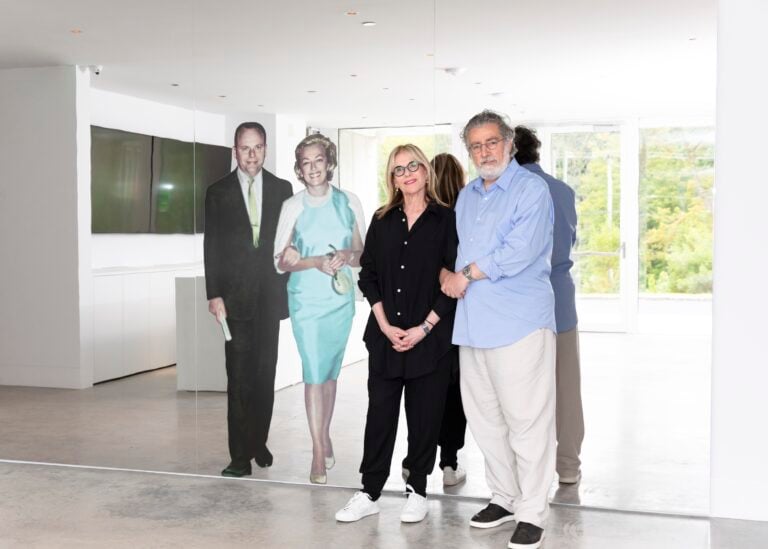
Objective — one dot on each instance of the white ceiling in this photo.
(551, 60)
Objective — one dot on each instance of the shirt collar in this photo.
(243, 177)
(432, 207)
(504, 180)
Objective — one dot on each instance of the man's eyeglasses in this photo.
(491, 145)
(412, 166)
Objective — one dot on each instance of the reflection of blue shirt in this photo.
(507, 232)
(564, 201)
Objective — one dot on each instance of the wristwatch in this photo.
(467, 272)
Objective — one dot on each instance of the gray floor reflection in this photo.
(141, 510)
(646, 405)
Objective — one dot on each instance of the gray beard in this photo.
(492, 173)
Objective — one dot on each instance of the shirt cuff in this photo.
(371, 295)
(444, 305)
(489, 268)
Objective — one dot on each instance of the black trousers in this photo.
(424, 405)
(251, 360)
(454, 424)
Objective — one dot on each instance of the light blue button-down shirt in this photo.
(507, 231)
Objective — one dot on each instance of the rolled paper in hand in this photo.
(225, 328)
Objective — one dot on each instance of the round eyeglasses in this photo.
(412, 166)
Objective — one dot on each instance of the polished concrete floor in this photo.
(646, 404)
(46, 506)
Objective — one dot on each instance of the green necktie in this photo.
(253, 212)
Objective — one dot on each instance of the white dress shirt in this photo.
(258, 185)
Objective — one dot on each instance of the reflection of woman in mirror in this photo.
(319, 239)
(450, 181)
(408, 336)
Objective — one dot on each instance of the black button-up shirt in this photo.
(401, 269)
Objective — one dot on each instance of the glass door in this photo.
(589, 159)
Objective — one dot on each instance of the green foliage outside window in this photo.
(676, 181)
(590, 163)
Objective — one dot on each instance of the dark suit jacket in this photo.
(244, 276)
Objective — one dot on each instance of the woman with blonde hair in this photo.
(319, 241)
(408, 336)
(450, 181)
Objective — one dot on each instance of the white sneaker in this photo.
(359, 506)
(415, 509)
(452, 477)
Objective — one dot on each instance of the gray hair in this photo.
(490, 117)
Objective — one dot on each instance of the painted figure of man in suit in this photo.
(241, 213)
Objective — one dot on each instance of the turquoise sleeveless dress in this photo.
(321, 318)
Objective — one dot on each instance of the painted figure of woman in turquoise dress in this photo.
(319, 241)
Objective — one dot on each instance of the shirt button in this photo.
(402, 266)
(398, 313)
(403, 220)
(398, 290)
(406, 242)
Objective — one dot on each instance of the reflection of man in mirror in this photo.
(505, 327)
(241, 212)
(569, 412)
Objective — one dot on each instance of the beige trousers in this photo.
(509, 400)
(570, 414)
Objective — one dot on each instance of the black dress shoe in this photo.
(263, 457)
(233, 470)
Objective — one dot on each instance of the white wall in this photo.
(40, 196)
(290, 131)
(83, 215)
(357, 169)
(739, 446)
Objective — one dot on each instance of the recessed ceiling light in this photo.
(353, 75)
(351, 13)
(385, 89)
(412, 99)
(692, 38)
(496, 94)
(76, 31)
(430, 55)
(454, 71)
(223, 96)
(369, 23)
(478, 83)
(259, 105)
(364, 117)
(175, 85)
(311, 91)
